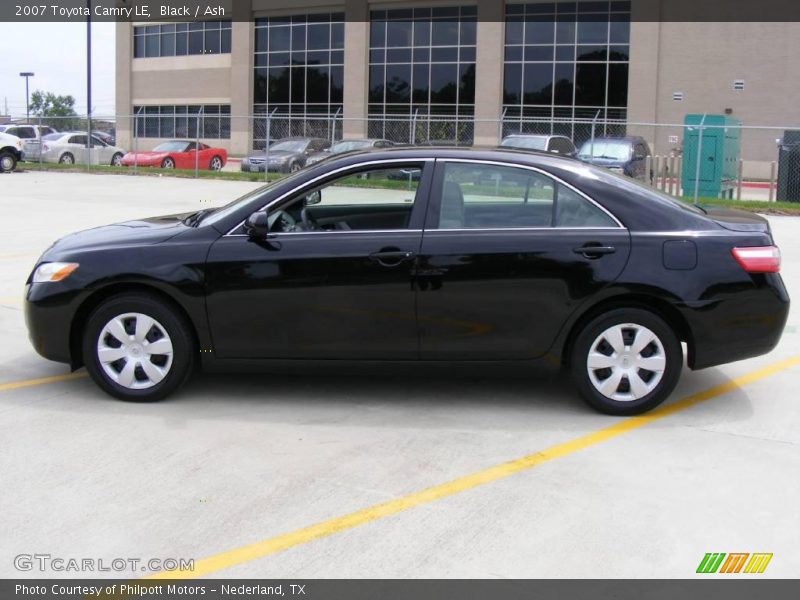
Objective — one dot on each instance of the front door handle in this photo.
(594, 251)
(391, 257)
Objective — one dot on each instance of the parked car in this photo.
(179, 154)
(626, 155)
(107, 137)
(349, 146)
(287, 155)
(31, 136)
(561, 262)
(69, 148)
(11, 152)
(557, 144)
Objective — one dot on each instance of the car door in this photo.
(186, 158)
(340, 288)
(76, 146)
(101, 153)
(503, 264)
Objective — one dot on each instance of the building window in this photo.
(566, 61)
(182, 39)
(207, 121)
(422, 62)
(299, 75)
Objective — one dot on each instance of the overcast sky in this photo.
(56, 53)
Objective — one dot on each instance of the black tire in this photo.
(8, 162)
(216, 160)
(294, 167)
(116, 160)
(66, 159)
(168, 163)
(665, 349)
(184, 351)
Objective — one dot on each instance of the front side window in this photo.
(378, 198)
(480, 196)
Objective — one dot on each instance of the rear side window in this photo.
(78, 139)
(480, 196)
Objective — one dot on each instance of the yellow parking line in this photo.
(15, 385)
(282, 542)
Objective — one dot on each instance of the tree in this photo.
(53, 110)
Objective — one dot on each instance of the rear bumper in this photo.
(747, 324)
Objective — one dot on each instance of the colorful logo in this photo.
(735, 562)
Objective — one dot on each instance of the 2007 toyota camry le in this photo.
(428, 254)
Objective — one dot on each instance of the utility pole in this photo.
(27, 77)
(89, 79)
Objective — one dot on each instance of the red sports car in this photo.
(178, 154)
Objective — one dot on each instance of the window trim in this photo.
(434, 199)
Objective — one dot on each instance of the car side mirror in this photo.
(257, 225)
(314, 197)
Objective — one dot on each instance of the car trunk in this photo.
(737, 220)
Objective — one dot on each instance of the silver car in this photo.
(70, 148)
(31, 136)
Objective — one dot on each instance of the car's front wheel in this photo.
(116, 160)
(137, 348)
(626, 361)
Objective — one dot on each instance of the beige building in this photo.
(470, 70)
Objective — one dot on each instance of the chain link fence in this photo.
(699, 160)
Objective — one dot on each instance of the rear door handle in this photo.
(391, 257)
(590, 251)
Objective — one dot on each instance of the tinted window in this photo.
(573, 210)
(78, 139)
(475, 196)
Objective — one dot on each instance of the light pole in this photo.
(27, 77)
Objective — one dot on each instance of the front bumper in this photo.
(50, 310)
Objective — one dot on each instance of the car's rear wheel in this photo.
(626, 361)
(216, 164)
(116, 160)
(67, 159)
(168, 163)
(8, 162)
(137, 348)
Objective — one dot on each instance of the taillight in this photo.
(46, 148)
(758, 259)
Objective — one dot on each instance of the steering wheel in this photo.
(308, 221)
(281, 221)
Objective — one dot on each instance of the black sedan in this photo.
(487, 256)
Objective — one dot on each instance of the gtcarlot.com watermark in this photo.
(47, 563)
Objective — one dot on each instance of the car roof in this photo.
(613, 138)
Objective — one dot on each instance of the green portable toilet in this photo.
(719, 149)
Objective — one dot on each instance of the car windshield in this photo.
(171, 147)
(529, 143)
(350, 145)
(290, 146)
(610, 149)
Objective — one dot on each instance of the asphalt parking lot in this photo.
(268, 476)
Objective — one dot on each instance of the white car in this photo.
(69, 148)
(11, 152)
(30, 135)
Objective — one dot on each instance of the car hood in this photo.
(274, 155)
(603, 162)
(142, 231)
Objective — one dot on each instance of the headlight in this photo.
(56, 271)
